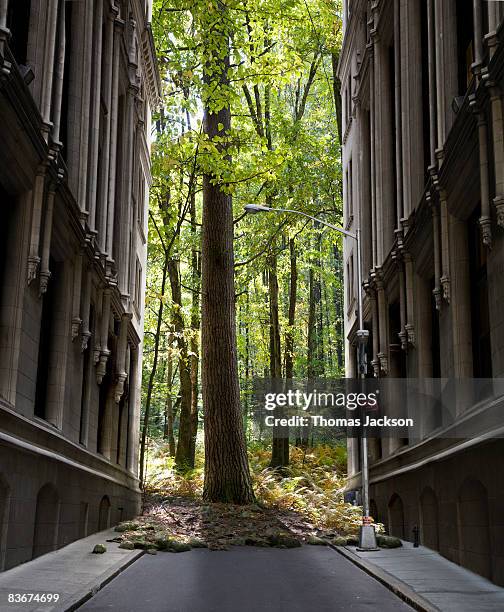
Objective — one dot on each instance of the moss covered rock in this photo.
(339, 541)
(284, 540)
(385, 541)
(127, 545)
(316, 541)
(171, 545)
(127, 526)
(99, 549)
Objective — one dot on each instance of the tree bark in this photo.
(227, 475)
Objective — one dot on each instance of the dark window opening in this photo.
(465, 46)
(18, 22)
(480, 317)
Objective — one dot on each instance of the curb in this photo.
(398, 587)
(86, 594)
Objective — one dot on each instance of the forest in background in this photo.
(273, 80)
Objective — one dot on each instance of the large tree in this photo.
(227, 477)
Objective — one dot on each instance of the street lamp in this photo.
(367, 536)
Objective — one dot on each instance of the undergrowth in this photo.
(312, 486)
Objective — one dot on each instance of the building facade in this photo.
(423, 158)
(77, 84)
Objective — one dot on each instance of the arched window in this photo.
(104, 514)
(45, 537)
(396, 516)
(429, 526)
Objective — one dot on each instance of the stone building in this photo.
(423, 158)
(78, 80)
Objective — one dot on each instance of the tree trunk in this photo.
(227, 475)
(150, 386)
(168, 429)
(289, 335)
(280, 440)
(195, 326)
(183, 453)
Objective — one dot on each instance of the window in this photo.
(18, 22)
(480, 317)
(465, 48)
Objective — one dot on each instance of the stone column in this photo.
(45, 273)
(85, 109)
(373, 156)
(478, 37)
(410, 325)
(445, 245)
(95, 117)
(461, 302)
(382, 325)
(104, 350)
(38, 200)
(121, 366)
(47, 78)
(105, 166)
(437, 250)
(411, 99)
(485, 220)
(76, 298)
(86, 308)
(432, 81)
(498, 147)
(118, 26)
(376, 332)
(134, 410)
(98, 329)
(403, 334)
(493, 24)
(385, 212)
(446, 67)
(398, 123)
(4, 32)
(59, 75)
(126, 197)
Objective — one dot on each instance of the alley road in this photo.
(307, 579)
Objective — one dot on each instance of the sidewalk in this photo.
(72, 572)
(427, 580)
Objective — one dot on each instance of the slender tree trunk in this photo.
(183, 453)
(152, 375)
(280, 440)
(168, 430)
(195, 327)
(227, 475)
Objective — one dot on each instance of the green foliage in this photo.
(312, 486)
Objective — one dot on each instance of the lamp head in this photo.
(256, 208)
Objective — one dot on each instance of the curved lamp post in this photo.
(367, 536)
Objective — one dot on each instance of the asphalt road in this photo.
(307, 579)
